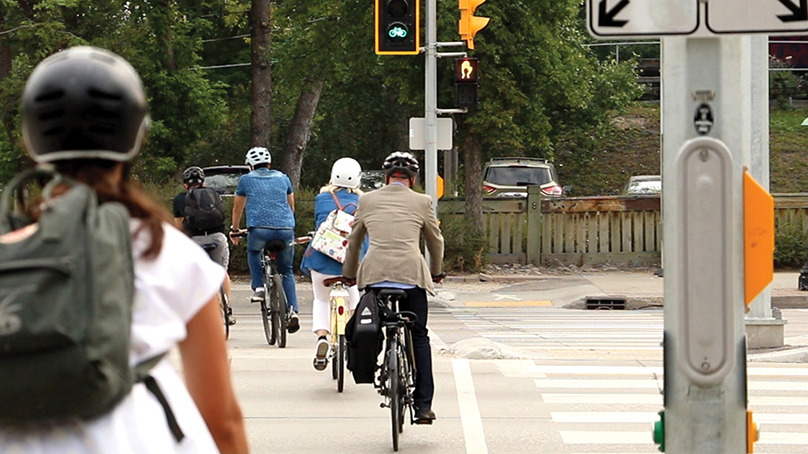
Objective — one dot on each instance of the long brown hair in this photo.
(98, 174)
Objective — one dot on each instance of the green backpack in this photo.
(66, 294)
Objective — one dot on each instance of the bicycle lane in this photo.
(290, 407)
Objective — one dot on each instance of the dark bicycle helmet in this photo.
(401, 162)
(84, 102)
(193, 175)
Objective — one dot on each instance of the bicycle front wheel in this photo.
(393, 391)
(225, 306)
(279, 310)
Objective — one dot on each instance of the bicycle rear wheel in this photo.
(340, 363)
(334, 353)
(225, 306)
(393, 391)
(279, 310)
(403, 386)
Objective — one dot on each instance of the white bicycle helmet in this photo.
(258, 155)
(346, 173)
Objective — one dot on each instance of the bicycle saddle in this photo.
(275, 246)
(397, 292)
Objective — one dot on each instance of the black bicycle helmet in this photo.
(193, 175)
(84, 102)
(401, 162)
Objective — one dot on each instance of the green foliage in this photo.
(790, 245)
(464, 249)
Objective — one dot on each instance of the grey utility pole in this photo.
(431, 103)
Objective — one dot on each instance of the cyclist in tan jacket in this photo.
(395, 217)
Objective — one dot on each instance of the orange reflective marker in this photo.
(758, 238)
(440, 186)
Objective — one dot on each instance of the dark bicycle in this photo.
(274, 311)
(224, 302)
(396, 380)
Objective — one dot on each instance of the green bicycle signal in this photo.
(397, 31)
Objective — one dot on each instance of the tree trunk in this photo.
(5, 71)
(261, 74)
(300, 129)
(163, 20)
(472, 158)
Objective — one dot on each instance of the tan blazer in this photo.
(394, 217)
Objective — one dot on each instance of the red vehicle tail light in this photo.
(488, 189)
(341, 310)
(552, 190)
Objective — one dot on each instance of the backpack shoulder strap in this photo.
(336, 200)
(142, 375)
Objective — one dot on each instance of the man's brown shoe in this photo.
(424, 416)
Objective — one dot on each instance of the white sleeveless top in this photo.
(169, 291)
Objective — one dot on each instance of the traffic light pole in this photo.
(431, 103)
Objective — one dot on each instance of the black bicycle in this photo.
(274, 311)
(396, 380)
(224, 302)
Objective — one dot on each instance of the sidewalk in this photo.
(569, 289)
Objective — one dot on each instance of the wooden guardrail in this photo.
(587, 230)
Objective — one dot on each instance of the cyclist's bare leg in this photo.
(227, 286)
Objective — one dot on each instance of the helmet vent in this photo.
(102, 129)
(57, 131)
(95, 93)
(50, 96)
(53, 114)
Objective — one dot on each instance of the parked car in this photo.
(643, 185)
(224, 179)
(510, 177)
(371, 179)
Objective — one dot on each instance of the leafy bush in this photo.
(790, 245)
(464, 248)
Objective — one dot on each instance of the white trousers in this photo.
(320, 310)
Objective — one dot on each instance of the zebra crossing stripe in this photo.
(643, 417)
(656, 384)
(656, 399)
(640, 370)
(607, 437)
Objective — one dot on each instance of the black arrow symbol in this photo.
(606, 18)
(799, 13)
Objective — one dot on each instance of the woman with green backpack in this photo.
(98, 381)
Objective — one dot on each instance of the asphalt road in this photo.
(515, 373)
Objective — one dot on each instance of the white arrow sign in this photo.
(757, 16)
(612, 18)
(626, 18)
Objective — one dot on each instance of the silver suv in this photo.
(510, 177)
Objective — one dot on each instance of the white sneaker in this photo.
(258, 295)
(321, 354)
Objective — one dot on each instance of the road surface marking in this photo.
(618, 399)
(656, 384)
(509, 303)
(502, 296)
(641, 417)
(469, 411)
(638, 370)
(602, 437)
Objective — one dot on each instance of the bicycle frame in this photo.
(397, 373)
(339, 298)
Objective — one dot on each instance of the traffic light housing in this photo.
(398, 27)
(470, 24)
(466, 82)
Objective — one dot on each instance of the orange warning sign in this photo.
(758, 238)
